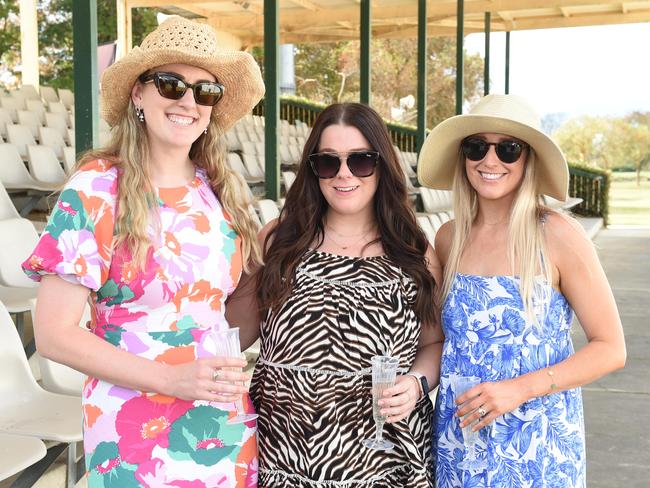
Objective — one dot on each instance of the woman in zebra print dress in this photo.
(347, 275)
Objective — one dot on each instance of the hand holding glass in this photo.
(227, 345)
(384, 369)
(459, 385)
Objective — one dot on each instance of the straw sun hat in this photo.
(502, 114)
(178, 40)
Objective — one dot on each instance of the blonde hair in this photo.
(527, 251)
(128, 149)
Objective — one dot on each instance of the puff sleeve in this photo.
(78, 239)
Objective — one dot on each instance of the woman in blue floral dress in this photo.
(514, 273)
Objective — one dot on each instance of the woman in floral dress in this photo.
(151, 232)
(514, 272)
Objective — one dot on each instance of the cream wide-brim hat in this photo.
(501, 114)
(182, 41)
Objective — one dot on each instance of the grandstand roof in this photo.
(334, 20)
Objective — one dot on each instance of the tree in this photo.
(9, 37)
(631, 143)
(55, 35)
(582, 140)
(608, 143)
(330, 72)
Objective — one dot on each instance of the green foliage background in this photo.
(55, 36)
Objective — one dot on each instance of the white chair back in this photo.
(13, 173)
(25, 408)
(29, 92)
(38, 108)
(18, 238)
(52, 138)
(267, 210)
(57, 377)
(5, 119)
(21, 137)
(67, 97)
(57, 121)
(29, 119)
(288, 177)
(253, 166)
(44, 165)
(7, 207)
(18, 452)
(48, 94)
(69, 159)
(427, 228)
(12, 106)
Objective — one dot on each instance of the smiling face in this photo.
(347, 194)
(173, 123)
(491, 178)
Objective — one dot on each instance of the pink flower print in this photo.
(80, 257)
(66, 207)
(143, 424)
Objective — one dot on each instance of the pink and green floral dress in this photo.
(164, 312)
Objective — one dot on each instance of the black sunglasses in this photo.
(508, 151)
(360, 163)
(172, 86)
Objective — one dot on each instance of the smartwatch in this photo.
(424, 384)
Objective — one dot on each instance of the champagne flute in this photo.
(460, 384)
(384, 369)
(227, 345)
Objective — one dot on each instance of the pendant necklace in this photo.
(361, 237)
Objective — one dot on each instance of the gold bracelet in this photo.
(551, 373)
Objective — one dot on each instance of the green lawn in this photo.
(629, 204)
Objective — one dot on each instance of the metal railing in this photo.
(592, 185)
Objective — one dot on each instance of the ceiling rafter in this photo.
(306, 4)
(398, 18)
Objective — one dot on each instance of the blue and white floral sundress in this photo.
(487, 334)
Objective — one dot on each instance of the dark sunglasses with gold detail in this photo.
(173, 87)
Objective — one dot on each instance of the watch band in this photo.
(422, 380)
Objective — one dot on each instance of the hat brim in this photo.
(237, 71)
(439, 153)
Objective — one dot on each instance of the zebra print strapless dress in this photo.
(312, 386)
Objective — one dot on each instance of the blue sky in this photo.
(602, 70)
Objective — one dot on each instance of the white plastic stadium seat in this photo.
(18, 452)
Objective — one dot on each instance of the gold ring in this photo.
(216, 374)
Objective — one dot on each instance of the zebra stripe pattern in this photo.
(312, 386)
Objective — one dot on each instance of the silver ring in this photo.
(216, 374)
(481, 412)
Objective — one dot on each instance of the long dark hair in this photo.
(301, 219)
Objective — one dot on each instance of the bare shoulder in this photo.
(263, 234)
(443, 241)
(433, 263)
(565, 237)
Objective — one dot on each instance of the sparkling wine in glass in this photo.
(460, 384)
(384, 369)
(227, 345)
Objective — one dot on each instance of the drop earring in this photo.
(140, 114)
(205, 131)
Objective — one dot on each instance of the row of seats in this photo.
(49, 410)
(31, 411)
(47, 94)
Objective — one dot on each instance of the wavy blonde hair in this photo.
(128, 149)
(527, 251)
